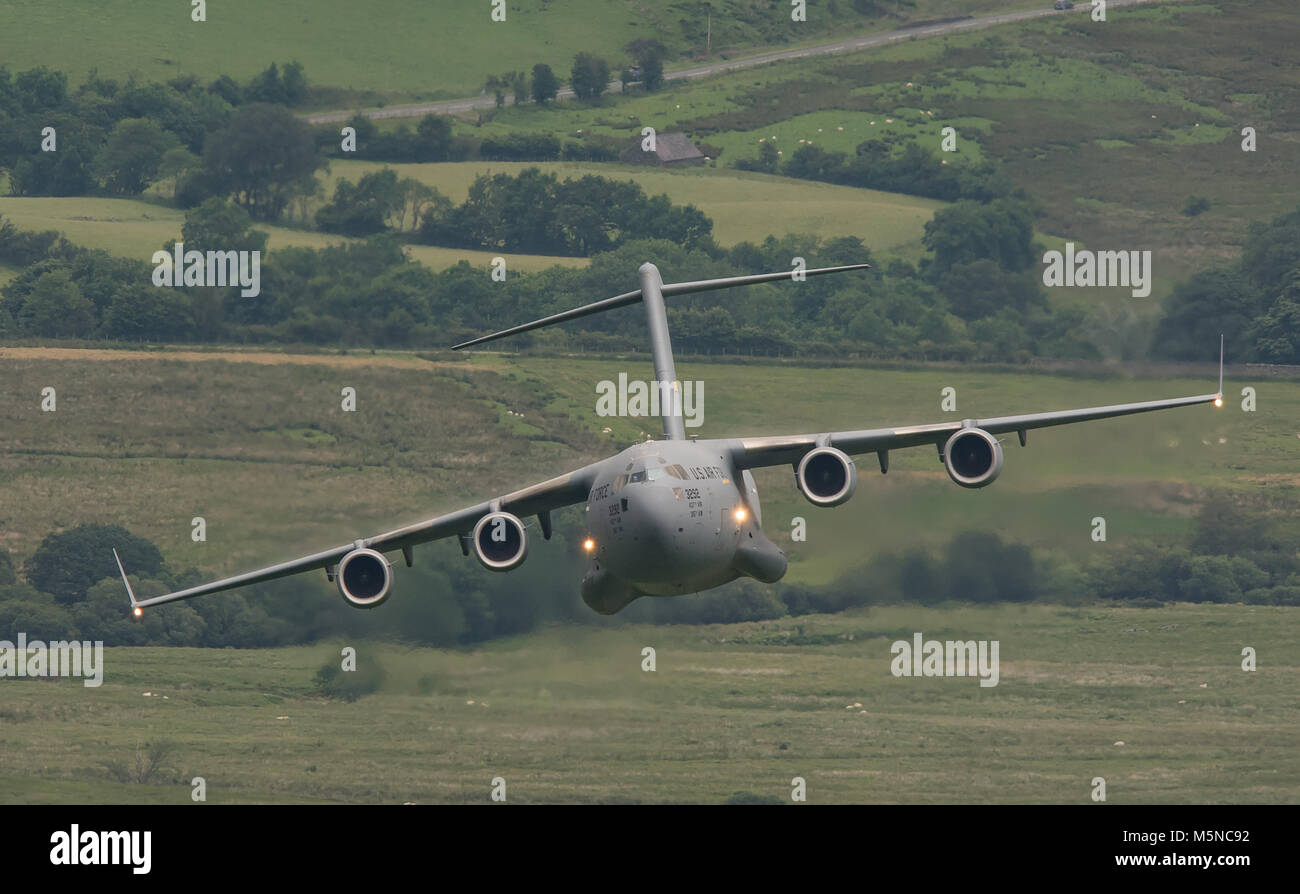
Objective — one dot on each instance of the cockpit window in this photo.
(637, 477)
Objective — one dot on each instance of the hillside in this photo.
(398, 50)
(256, 443)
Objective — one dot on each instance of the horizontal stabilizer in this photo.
(676, 288)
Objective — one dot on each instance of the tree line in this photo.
(70, 588)
(370, 293)
(892, 164)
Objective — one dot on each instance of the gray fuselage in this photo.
(672, 517)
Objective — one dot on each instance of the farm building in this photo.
(670, 149)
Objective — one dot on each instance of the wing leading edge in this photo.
(752, 453)
(555, 493)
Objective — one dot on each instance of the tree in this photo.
(66, 172)
(652, 72)
(1276, 334)
(56, 308)
(432, 139)
(226, 88)
(363, 209)
(141, 310)
(415, 198)
(518, 81)
(267, 87)
(130, 160)
(981, 288)
(1272, 251)
(40, 89)
(218, 225)
(648, 55)
(545, 84)
(1198, 310)
(589, 76)
(262, 157)
(295, 84)
(1002, 230)
(176, 164)
(497, 85)
(68, 563)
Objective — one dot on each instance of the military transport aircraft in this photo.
(671, 516)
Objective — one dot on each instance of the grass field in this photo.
(249, 440)
(743, 206)
(136, 228)
(398, 50)
(1152, 700)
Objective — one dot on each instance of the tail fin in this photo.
(135, 603)
(667, 289)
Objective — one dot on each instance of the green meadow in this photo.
(395, 50)
(1153, 701)
(251, 440)
(137, 228)
(744, 206)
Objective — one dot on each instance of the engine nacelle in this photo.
(500, 542)
(826, 476)
(364, 578)
(973, 457)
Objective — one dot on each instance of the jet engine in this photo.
(364, 578)
(500, 542)
(826, 476)
(973, 457)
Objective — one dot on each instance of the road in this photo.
(849, 45)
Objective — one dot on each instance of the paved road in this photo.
(454, 106)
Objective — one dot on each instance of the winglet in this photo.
(135, 605)
(1220, 392)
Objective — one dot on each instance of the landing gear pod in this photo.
(500, 542)
(364, 578)
(973, 457)
(826, 476)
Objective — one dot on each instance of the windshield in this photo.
(637, 473)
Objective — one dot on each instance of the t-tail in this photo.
(652, 293)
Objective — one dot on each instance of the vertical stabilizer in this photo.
(661, 348)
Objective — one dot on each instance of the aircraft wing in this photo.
(751, 453)
(555, 493)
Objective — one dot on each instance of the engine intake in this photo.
(364, 578)
(826, 476)
(500, 542)
(973, 457)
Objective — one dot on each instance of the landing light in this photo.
(588, 544)
(138, 612)
(1218, 401)
(739, 514)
